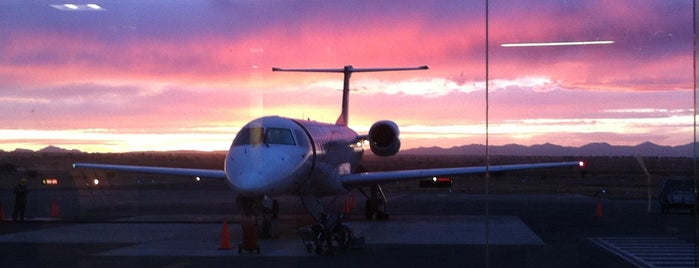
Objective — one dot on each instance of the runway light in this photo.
(434, 179)
(443, 180)
(581, 164)
(198, 179)
(50, 181)
(96, 182)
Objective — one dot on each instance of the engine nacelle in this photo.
(383, 138)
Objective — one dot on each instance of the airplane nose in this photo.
(261, 170)
(248, 183)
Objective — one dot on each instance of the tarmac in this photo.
(184, 228)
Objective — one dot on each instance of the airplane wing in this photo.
(369, 178)
(203, 173)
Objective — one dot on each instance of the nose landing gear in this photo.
(375, 205)
(329, 235)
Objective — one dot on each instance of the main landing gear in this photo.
(375, 206)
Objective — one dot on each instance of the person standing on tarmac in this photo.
(20, 200)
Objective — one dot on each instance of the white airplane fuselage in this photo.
(274, 156)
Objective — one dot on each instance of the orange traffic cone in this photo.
(598, 210)
(54, 209)
(347, 205)
(225, 237)
(353, 202)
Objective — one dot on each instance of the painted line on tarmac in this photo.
(650, 251)
(447, 230)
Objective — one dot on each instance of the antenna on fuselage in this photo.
(343, 120)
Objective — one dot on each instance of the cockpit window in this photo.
(279, 136)
(249, 136)
(255, 136)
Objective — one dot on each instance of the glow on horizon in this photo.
(104, 140)
(219, 138)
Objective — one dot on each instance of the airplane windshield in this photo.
(279, 136)
(255, 136)
(249, 136)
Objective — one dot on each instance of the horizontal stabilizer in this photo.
(351, 69)
(343, 119)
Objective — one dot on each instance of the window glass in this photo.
(279, 136)
(248, 136)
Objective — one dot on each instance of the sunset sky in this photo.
(186, 75)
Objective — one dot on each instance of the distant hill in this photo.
(20, 150)
(48, 149)
(548, 149)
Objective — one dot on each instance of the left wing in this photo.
(369, 178)
(204, 173)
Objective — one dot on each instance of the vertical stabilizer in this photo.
(343, 119)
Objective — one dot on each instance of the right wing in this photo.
(370, 178)
(204, 173)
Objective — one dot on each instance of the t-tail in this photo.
(343, 120)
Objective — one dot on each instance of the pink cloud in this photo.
(142, 80)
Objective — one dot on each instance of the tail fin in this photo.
(343, 120)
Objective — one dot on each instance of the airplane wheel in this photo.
(369, 209)
(343, 237)
(275, 209)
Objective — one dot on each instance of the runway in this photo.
(166, 228)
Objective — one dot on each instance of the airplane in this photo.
(273, 156)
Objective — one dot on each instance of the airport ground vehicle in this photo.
(677, 194)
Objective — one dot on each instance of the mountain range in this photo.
(48, 149)
(547, 149)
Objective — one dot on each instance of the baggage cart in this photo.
(249, 243)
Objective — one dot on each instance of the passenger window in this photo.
(279, 136)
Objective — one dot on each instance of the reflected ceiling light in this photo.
(577, 43)
(78, 7)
